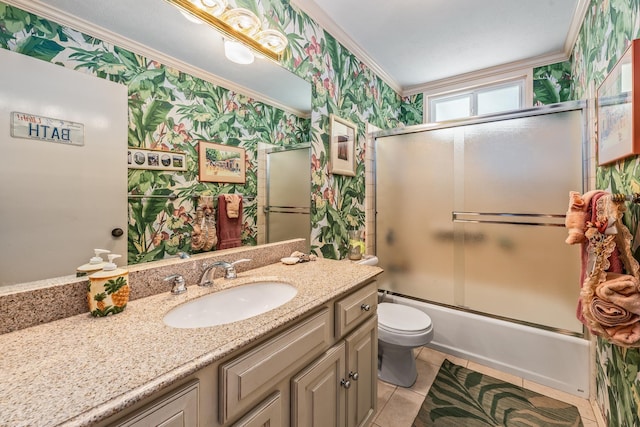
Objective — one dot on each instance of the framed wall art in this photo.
(141, 158)
(221, 163)
(342, 147)
(618, 105)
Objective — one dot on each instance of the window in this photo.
(478, 101)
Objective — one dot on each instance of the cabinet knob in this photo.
(354, 375)
(345, 383)
(365, 307)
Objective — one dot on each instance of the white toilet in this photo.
(400, 329)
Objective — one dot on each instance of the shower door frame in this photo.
(582, 106)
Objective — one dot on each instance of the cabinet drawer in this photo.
(250, 377)
(355, 308)
(268, 413)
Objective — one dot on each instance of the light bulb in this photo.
(190, 17)
(237, 52)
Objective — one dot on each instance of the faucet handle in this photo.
(178, 285)
(231, 272)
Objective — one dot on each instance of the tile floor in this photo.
(398, 406)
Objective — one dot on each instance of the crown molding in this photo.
(48, 12)
(329, 25)
(576, 26)
(473, 77)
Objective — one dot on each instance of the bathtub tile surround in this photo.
(25, 305)
(63, 372)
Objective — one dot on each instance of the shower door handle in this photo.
(554, 220)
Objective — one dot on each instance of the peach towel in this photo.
(626, 334)
(233, 205)
(621, 290)
(609, 315)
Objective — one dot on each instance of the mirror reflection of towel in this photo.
(229, 229)
(233, 205)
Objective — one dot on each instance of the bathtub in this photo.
(549, 358)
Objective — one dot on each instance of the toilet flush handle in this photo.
(365, 307)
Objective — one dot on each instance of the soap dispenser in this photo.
(96, 263)
(108, 289)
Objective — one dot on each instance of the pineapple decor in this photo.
(108, 290)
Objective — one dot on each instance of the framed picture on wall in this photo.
(342, 147)
(140, 158)
(221, 163)
(618, 104)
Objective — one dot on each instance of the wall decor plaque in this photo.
(31, 126)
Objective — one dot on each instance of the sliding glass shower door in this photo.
(414, 196)
(472, 215)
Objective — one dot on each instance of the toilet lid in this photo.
(402, 318)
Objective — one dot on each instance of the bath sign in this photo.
(30, 126)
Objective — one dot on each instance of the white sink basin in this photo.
(230, 305)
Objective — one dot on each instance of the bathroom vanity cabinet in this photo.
(319, 370)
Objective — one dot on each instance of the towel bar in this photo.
(171, 196)
(633, 198)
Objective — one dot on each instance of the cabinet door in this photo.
(250, 377)
(317, 396)
(267, 414)
(362, 372)
(177, 409)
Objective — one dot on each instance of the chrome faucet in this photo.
(229, 271)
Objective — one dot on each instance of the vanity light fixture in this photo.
(237, 25)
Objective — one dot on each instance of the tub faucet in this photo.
(229, 271)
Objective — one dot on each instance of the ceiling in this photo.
(413, 44)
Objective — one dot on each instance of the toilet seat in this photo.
(402, 319)
(403, 325)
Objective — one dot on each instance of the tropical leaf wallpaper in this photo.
(412, 109)
(607, 28)
(552, 83)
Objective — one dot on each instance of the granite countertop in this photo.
(79, 370)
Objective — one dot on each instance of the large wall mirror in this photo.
(263, 80)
